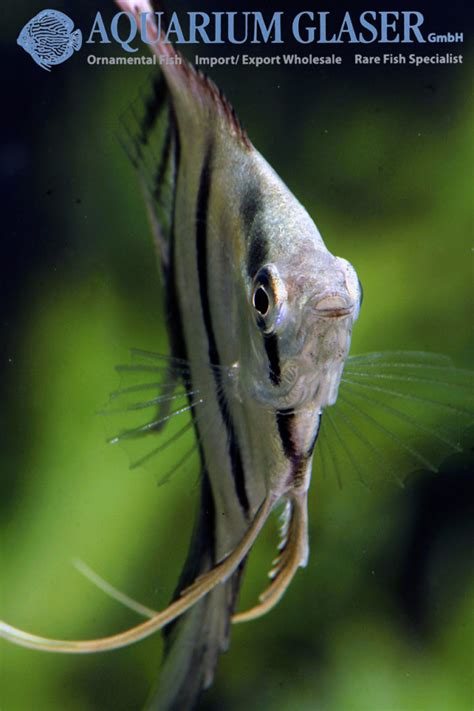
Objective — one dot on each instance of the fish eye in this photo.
(268, 298)
(261, 300)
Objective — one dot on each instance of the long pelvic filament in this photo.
(189, 597)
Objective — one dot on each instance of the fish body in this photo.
(263, 313)
(50, 38)
(250, 233)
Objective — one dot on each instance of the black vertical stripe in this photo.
(175, 321)
(257, 244)
(271, 348)
(153, 106)
(202, 266)
(285, 420)
(201, 250)
(163, 164)
(257, 252)
(315, 438)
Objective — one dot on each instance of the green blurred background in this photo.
(382, 619)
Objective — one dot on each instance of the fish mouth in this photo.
(335, 313)
(333, 306)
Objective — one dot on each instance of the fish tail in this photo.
(192, 655)
(193, 643)
(76, 40)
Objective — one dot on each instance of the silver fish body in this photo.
(263, 312)
(251, 233)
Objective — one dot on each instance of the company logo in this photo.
(50, 38)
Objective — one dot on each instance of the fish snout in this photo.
(20, 40)
(333, 306)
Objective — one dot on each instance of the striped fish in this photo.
(260, 316)
(263, 314)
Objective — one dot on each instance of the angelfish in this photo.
(263, 312)
(260, 319)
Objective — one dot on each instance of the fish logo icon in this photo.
(50, 38)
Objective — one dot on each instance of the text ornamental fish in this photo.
(260, 319)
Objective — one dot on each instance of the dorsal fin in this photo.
(148, 137)
(195, 96)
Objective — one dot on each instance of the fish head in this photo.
(24, 38)
(303, 309)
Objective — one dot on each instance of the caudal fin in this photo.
(76, 40)
(193, 650)
(193, 642)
